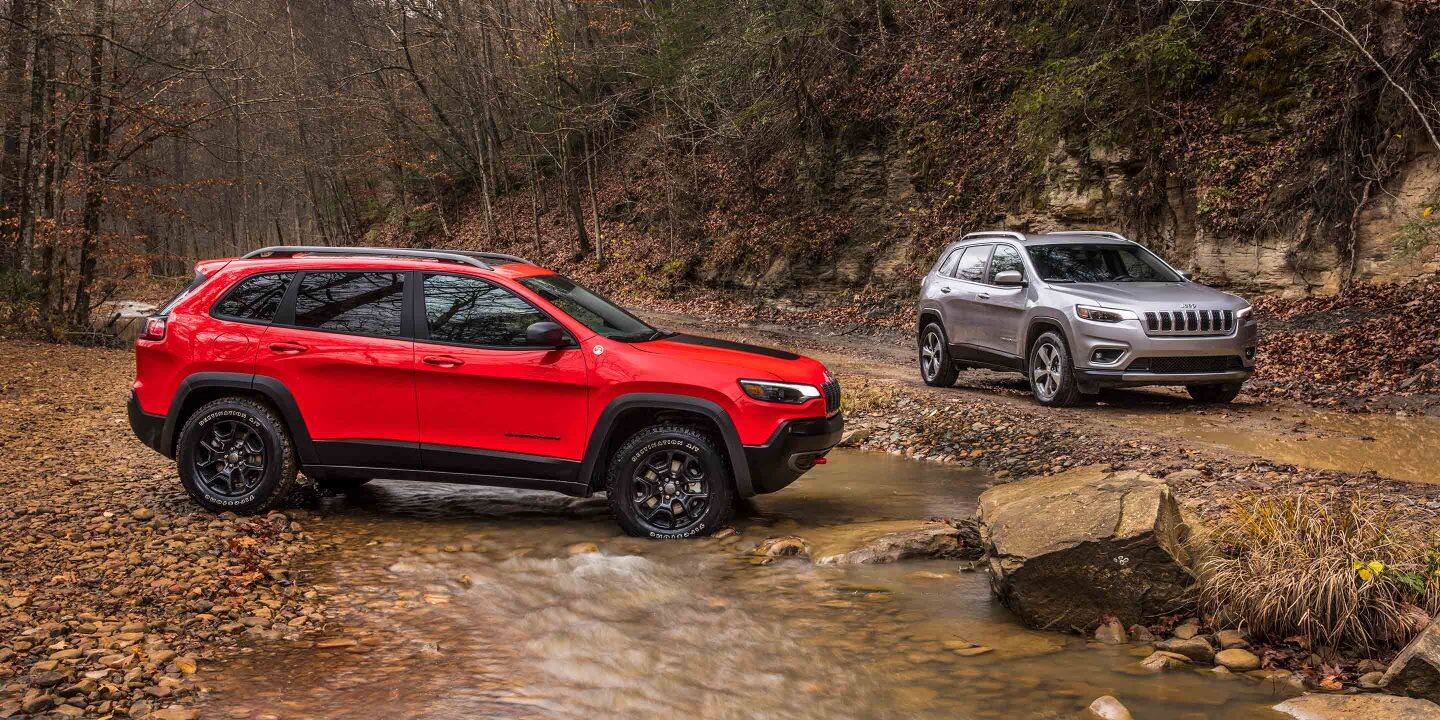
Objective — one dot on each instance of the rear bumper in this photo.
(792, 451)
(149, 428)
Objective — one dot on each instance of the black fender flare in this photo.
(268, 387)
(1031, 333)
(733, 449)
(927, 315)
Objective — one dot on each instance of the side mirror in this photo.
(1009, 277)
(545, 334)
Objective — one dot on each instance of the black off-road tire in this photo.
(1214, 393)
(1051, 372)
(937, 368)
(276, 480)
(623, 485)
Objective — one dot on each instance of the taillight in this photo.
(154, 329)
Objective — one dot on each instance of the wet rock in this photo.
(1068, 549)
(855, 436)
(175, 712)
(1416, 670)
(1107, 708)
(1161, 660)
(1141, 634)
(1227, 639)
(1196, 648)
(1188, 629)
(1237, 659)
(1369, 707)
(142, 514)
(1111, 633)
(1370, 680)
(887, 542)
(582, 548)
(785, 546)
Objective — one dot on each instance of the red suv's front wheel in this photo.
(669, 481)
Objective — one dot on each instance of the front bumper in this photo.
(1126, 344)
(792, 451)
(149, 428)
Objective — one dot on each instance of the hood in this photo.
(762, 362)
(1155, 295)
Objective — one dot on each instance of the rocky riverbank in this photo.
(117, 594)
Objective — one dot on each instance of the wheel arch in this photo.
(200, 388)
(927, 316)
(1039, 326)
(626, 414)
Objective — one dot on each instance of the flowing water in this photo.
(469, 605)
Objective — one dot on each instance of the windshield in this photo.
(1099, 263)
(589, 309)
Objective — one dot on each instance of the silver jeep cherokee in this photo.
(1077, 312)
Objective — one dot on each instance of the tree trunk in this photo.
(95, 153)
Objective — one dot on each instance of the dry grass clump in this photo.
(1335, 572)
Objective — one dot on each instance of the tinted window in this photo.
(364, 303)
(590, 309)
(255, 298)
(948, 267)
(972, 263)
(1005, 258)
(1099, 263)
(468, 310)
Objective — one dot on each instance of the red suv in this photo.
(358, 363)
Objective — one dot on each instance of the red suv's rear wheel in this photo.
(235, 454)
(669, 481)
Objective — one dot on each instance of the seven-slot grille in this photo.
(831, 389)
(1190, 322)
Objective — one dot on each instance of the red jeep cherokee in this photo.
(358, 363)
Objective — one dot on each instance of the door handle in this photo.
(945, 290)
(444, 361)
(983, 296)
(288, 348)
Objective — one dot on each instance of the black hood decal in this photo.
(728, 345)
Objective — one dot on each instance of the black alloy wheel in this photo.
(229, 458)
(670, 488)
(669, 482)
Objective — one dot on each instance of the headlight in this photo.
(780, 392)
(1243, 314)
(1105, 315)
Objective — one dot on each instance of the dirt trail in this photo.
(1396, 446)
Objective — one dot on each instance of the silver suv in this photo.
(1077, 312)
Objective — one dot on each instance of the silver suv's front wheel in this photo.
(1051, 372)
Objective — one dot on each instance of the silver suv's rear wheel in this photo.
(1051, 373)
(935, 365)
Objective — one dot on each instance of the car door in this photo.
(961, 319)
(489, 402)
(999, 308)
(340, 345)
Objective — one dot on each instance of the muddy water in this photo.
(1400, 448)
(469, 605)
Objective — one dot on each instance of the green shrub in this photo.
(1335, 572)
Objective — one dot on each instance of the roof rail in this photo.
(1099, 233)
(996, 233)
(291, 250)
(483, 255)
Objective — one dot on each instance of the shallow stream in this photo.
(470, 605)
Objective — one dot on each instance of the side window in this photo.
(972, 263)
(254, 299)
(948, 267)
(1004, 258)
(460, 309)
(363, 303)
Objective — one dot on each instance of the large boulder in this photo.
(1416, 670)
(1369, 707)
(1068, 549)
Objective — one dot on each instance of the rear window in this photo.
(254, 299)
(175, 299)
(359, 303)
